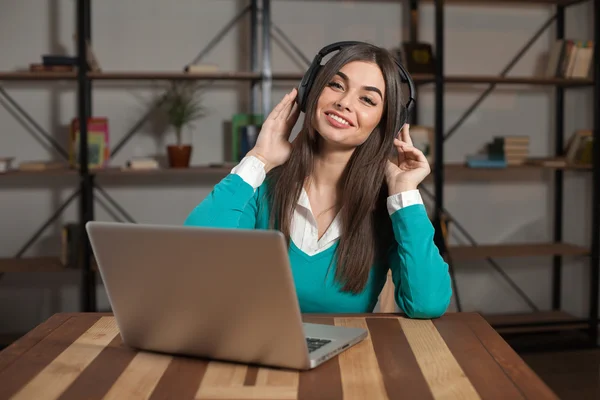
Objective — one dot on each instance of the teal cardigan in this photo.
(420, 274)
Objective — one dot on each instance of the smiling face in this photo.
(350, 105)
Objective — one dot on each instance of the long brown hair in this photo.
(366, 232)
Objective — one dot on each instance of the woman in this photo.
(348, 212)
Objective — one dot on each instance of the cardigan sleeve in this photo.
(420, 274)
(231, 204)
(233, 201)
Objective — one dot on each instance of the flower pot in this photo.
(179, 156)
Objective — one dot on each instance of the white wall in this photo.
(156, 35)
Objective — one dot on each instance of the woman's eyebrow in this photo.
(370, 88)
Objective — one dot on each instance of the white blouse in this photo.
(303, 229)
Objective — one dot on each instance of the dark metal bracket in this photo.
(46, 224)
(493, 263)
(114, 203)
(505, 71)
(25, 115)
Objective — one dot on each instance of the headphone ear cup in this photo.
(300, 97)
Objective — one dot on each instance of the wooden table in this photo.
(78, 355)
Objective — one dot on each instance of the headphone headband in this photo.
(311, 73)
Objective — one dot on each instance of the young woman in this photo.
(349, 213)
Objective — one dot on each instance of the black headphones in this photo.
(315, 66)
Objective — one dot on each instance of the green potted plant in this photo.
(182, 106)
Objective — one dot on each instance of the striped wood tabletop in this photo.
(458, 356)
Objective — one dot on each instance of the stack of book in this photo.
(54, 63)
(514, 150)
(502, 151)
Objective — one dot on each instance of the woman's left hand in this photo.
(410, 169)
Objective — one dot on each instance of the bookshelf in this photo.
(442, 172)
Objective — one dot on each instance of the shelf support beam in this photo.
(57, 213)
(19, 113)
(211, 44)
(595, 225)
(267, 74)
(413, 37)
(254, 65)
(86, 205)
(559, 118)
(438, 167)
(220, 35)
(504, 72)
(493, 263)
(114, 203)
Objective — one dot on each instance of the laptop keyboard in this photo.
(314, 344)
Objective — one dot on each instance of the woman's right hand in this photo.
(272, 146)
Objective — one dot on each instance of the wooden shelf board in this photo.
(468, 253)
(31, 264)
(173, 75)
(36, 76)
(452, 171)
(482, 2)
(519, 2)
(507, 323)
(462, 172)
(46, 172)
(192, 170)
(295, 76)
(521, 80)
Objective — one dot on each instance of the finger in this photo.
(413, 153)
(293, 117)
(406, 135)
(400, 150)
(289, 108)
(275, 112)
(279, 107)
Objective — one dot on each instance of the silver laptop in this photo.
(223, 294)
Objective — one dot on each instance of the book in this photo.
(98, 142)
(244, 131)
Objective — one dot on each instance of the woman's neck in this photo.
(328, 169)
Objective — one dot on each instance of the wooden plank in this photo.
(466, 253)
(141, 376)
(96, 380)
(32, 264)
(17, 173)
(460, 172)
(251, 375)
(224, 380)
(444, 375)
(484, 373)
(192, 170)
(505, 3)
(359, 370)
(324, 382)
(520, 373)
(520, 80)
(173, 75)
(181, 379)
(62, 371)
(29, 364)
(36, 76)
(15, 350)
(397, 363)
